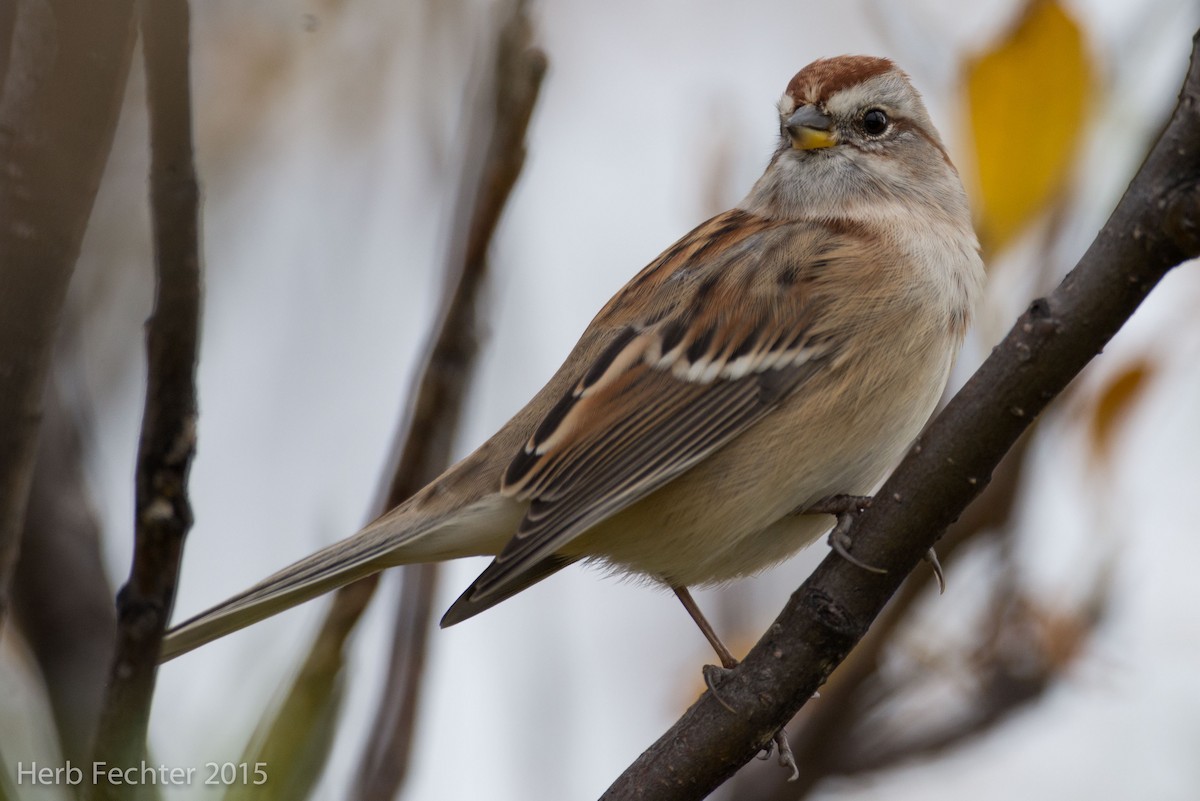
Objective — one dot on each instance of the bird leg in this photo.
(713, 676)
(712, 673)
(728, 660)
(846, 508)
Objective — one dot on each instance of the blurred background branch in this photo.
(295, 740)
(71, 633)
(63, 66)
(510, 93)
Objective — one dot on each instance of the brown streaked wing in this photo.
(664, 396)
(608, 472)
(673, 425)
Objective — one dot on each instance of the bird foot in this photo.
(713, 678)
(846, 508)
(932, 559)
(786, 758)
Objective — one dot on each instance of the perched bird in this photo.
(783, 352)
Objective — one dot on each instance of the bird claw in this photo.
(786, 758)
(713, 678)
(839, 541)
(932, 558)
(845, 508)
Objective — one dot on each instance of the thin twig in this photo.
(163, 513)
(1155, 227)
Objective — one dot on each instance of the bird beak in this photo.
(810, 129)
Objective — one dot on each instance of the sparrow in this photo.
(781, 353)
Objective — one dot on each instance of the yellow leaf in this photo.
(1028, 100)
(1114, 404)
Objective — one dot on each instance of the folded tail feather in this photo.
(332, 567)
(470, 603)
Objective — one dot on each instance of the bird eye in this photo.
(875, 122)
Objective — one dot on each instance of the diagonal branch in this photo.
(822, 736)
(163, 513)
(1155, 227)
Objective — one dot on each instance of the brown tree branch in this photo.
(1154, 227)
(163, 513)
(64, 66)
(822, 735)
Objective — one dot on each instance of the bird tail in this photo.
(412, 532)
(353, 558)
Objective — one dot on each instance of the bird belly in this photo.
(733, 514)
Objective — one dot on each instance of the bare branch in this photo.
(822, 735)
(64, 66)
(168, 439)
(1155, 227)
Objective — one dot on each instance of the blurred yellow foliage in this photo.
(1114, 404)
(1027, 98)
